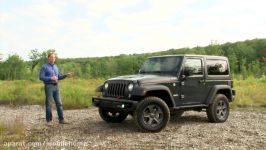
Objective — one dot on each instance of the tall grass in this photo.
(20, 92)
(250, 92)
(77, 93)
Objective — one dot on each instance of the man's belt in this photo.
(50, 83)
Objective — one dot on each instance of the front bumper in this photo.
(114, 104)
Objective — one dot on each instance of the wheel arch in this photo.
(220, 89)
(161, 92)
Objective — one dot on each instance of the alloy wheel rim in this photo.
(153, 115)
(221, 110)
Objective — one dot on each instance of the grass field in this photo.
(250, 92)
(77, 93)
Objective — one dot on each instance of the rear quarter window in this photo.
(217, 67)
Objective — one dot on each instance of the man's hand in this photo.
(54, 78)
(69, 74)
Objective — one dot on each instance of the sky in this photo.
(96, 28)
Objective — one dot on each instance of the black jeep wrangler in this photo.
(168, 85)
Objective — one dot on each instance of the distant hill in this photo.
(246, 58)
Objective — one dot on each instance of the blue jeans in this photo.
(52, 91)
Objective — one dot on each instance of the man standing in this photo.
(50, 75)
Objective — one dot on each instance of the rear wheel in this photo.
(152, 114)
(218, 111)
(112, 116)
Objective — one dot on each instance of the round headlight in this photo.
(130, 87)
(105, 86)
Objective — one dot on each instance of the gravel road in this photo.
(245, 129)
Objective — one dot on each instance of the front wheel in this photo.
(112, 116)
(218, 111)
(152, 114)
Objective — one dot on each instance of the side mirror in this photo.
(188, 72)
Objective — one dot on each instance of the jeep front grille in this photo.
(116, 90)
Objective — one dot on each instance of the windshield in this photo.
(161, 65)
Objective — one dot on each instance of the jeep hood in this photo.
(146, 79)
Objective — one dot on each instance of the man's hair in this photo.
(51, 53)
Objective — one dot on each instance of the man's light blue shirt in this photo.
(48, 71)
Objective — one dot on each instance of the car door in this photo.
(193, 86)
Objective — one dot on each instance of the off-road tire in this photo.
(218, 111)
(152, 114)
(112, 116)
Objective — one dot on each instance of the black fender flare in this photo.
(142, 90)
(214, 90)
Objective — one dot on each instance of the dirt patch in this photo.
(245, 129)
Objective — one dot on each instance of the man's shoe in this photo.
(63, 122)
(49, 123)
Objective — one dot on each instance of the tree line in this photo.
(247, 58)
